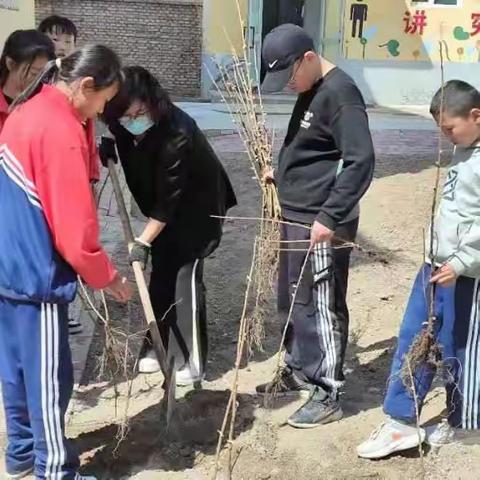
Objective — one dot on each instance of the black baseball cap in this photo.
(282, 47)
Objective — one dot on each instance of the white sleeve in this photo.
(467, 254)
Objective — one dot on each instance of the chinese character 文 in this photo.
(415, 23)
(475, 24)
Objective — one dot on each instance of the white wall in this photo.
(14, 15)
(402, 83)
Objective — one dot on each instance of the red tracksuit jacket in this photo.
(94, 160)
(48, 220)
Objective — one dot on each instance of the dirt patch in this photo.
(394, 214)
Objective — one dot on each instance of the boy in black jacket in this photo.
(325, 166)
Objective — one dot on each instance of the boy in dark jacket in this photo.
(324, 168)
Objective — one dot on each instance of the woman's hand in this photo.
(107, 151)
(139, 252)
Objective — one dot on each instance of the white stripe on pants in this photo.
(472, 362)
(196, 366)
(321, 264)
(51, 410)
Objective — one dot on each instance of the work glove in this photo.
(107, 150)
(139, 252)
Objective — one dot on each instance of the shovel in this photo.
(168, 368)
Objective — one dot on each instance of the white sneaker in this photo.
(391, 436)
(149, 363)
(85, 477)
(17, 476)
(185, 377)
(444, 434)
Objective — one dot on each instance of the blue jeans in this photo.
(458, 334)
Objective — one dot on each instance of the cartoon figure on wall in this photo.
(411, 30)
(358, 16)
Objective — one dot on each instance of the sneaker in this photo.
(184, 377)
(16, 476)
(85, 477)
(390, 437)
(444, 434)
(74, 327)
(149, 363)
(289, 384)
(319, 409)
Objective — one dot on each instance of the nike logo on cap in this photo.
(271, 65)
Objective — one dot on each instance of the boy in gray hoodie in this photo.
(457, 294)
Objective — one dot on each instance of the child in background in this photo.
(62, 32)
(456, 275)
(24, 56)
(49, 233)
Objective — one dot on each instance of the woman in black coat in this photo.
(178, 183)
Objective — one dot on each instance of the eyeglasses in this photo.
(296, 69)
(133, 116)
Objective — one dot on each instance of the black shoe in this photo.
(288, 384)
(320, 409)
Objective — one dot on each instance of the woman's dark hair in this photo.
(96, 61)
(57, 24)
(139, 84)
(25, 46)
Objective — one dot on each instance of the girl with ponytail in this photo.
(49, 235)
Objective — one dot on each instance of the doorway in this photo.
(265, 15)
(278, 12)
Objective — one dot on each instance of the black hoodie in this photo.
(326, 163)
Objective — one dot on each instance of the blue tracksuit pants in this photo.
(458, 333)
(37, 380)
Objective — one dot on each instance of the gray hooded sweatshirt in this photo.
(457, 225)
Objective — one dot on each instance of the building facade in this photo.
(164, 36)
(223, 23)
(390, 47)
(396, 57)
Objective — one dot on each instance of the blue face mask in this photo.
(137, 126)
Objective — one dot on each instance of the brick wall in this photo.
(164, 36)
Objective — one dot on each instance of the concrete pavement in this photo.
(214, 119)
